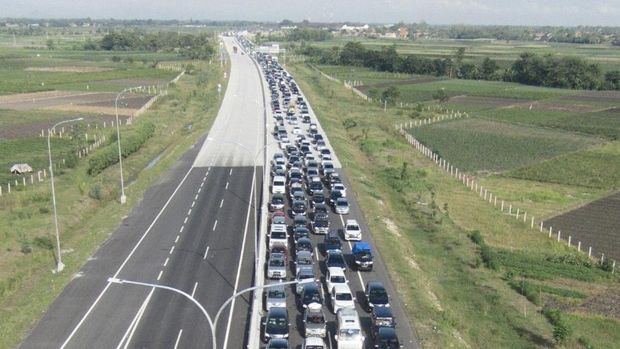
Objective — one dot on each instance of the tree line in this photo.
(529, 68)
(198, 46)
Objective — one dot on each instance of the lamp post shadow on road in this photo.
(59, 264)
(212, 322)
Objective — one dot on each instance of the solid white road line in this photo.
(206, 251)
(171, 249)
(215, 224)
(105, 289)
(166, 262)
(176, 344)
(159, 276)
(245, 233)
(134, 323)
(194, 290)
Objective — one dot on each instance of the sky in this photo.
(508, 12)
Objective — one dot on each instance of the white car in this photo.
(341, 297)
(352, 230)
(296, 130)
(278, 236)
(275, 297)
(335, 276)
(278, 185)
(349, 332)
(314, 343)
(341, 188)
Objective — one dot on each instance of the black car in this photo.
(317, 198)
(335, 258)
(386, 338)
(300, 232)
(332, 242)
(276, 324)
(320, 209)
(382, 317)
(304, 244)
(376, 295)
(298, 208)
(310, 293)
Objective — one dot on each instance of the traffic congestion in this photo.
(313, 234)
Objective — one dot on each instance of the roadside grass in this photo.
(88, 207)
(422, 218)
(597, 167)
(481, 145)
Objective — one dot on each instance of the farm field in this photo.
(596, 224)
(475, 50)
(477, 145)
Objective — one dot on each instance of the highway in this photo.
(193, 231)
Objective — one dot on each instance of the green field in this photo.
(481, 145)
(475, 50)
(17, 77)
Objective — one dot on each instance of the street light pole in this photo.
(212, 323)
(59, 265)
(118, 139)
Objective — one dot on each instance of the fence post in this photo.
(9, 187)
(31, 179)
(0, 190)
(518, 211)
(532, 226)
(495, 201)
(510, 210)
(525, 216)
(589, 251)
(550, 231)
(579, 246)
(569, 239)
(541, 226)
(502, 205)
(24, 180)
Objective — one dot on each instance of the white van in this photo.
(349, 332)
(278, 185)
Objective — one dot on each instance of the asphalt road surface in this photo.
(192, 231)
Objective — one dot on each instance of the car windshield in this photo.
(344, 297)
(277, 262)
(276, 294)
(336, 258)
(349, 334)
(315, 319)
(342, 203)
(312, 297)
(278, 235)
(277, 323)
(379, 295)
(338, 279)
(353, 227)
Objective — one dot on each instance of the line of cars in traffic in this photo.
(305, 188)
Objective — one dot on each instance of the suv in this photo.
(386, 338)
(276, 324)
(278, 185)
(335, 259)
(352, 230)
(278, 236)
(314, 321)
(310, 293)
(335, 276)
(376, 295)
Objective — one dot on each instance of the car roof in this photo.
(342, 288)
(304, 239)
(277, 311)
(279, 178)
(314, 341)
(375, 284)
(382, 311)
(334, 252)
(387, 332)
(351, 221)
(277, 287)
(335, 271)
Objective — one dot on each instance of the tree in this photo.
(612, 80)
(50, 44)
(441, 95)
(390, 94)
(488, 69)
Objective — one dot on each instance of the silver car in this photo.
(314, 321)
(276, 268)
(275, 297)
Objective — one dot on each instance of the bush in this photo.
(95, 192)
(116, 59)
(489, 257)
(130, 143)
(43, 242)
(607, 265)
(476, 238)
(561, 330)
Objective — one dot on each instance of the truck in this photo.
(234, 49)
(362, 254)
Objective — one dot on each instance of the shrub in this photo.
(130, 143)
(607, 265)
(561, 330)
(95, 192)
(476, 238)
(44, 210)
(43, 242)
(489, 257)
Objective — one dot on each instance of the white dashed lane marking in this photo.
(166, 262)
(159, 276)
(206, 252)
(215, 224)
(171, 249)
(221, 203)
